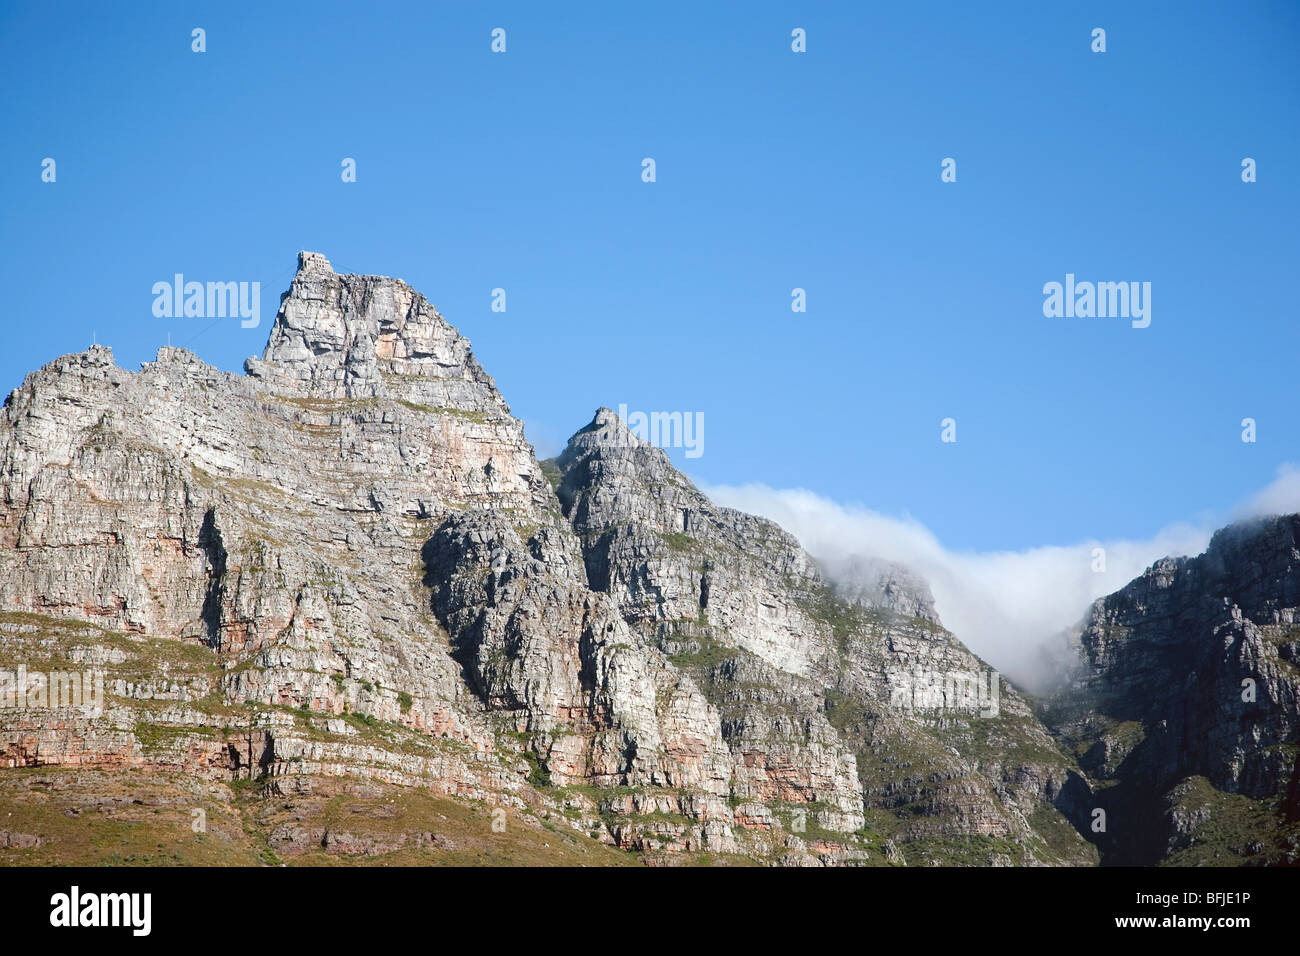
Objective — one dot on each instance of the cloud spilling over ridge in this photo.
(1280, 497)
(1005, 606)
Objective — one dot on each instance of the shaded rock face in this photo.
(1183, 701)
(348, 563)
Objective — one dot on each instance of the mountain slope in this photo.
(1183, 704)
(798, 671)
(343, 580)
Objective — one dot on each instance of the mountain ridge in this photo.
(344, 579)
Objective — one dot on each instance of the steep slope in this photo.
(809, 682)
(342, 580)
(1183, 704)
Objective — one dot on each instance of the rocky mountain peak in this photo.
(607, 435)
(612, 475)
(342, 336)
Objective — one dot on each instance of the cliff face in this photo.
(340, 608)
(812, 684)
(1183, 704)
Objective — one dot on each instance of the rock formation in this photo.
(1183, 704)
(340, 608)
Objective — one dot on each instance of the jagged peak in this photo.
(605, 416)
(340, 335)
(326, 312)
(176, 355)
(96, 356)
(605, 431)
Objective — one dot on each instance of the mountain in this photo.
(341, 609)
(341, 612)
(1182, 704)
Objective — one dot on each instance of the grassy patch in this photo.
(679, 542)
(551, 471)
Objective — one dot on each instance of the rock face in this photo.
(811, 686)
(1183, 704)
(347, 565)
(885, 586)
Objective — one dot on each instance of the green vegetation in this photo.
(318, 404)
(146, 818)
(843, 618)
(417, 407)
(843, 711)
(465, 415)
(158, 738)
(971, 850)
(538, 776)
(678, 542)
(551, 471)
(706, 654)
(1230, 829)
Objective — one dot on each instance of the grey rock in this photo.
(348, 563)
(1183, 696)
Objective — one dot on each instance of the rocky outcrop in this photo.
(274, 519)
(1183, 703)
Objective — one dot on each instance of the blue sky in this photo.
(775, 170)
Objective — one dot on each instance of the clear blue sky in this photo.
(775, 170)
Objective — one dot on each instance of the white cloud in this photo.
(1280, 497)
(1004, 605)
